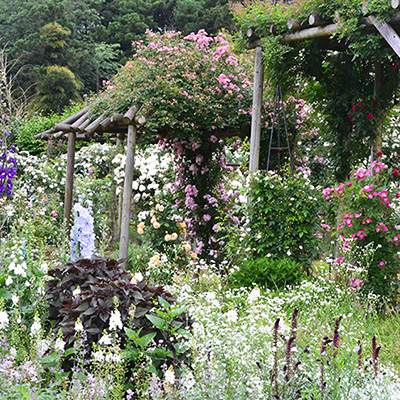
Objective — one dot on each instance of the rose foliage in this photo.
(369, 217)
(187, 86)
(193, 90)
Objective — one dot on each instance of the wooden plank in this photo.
(127, 195)
(59, 135)
(294, 24)
(311, 33)
(378, 85)
(69, 182)
(62, 127)
(75, 116)
(105, 124)
(140, 120)
(256, 111)
(388, 33)
(317, 20)
(45, 134)
(116, 118)
(81, 128)
(130, 115)
(79, 121)
(90, 129)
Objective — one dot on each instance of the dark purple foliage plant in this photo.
(93, 290)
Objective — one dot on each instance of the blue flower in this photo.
(82, 232)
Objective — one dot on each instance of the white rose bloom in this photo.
(19, 270)
(9, 280)
(15, 299)
(44, 268)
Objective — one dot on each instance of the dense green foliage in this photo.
(336, 74)
(28, 127)
(283, 217)
(268, 273)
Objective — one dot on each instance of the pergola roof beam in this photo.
(79, 121)
(388, 33)
(75, 116)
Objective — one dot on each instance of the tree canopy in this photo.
(84, 36)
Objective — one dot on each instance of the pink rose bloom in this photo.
(214, 139)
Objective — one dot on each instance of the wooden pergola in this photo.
(82, 127)
(312, 28)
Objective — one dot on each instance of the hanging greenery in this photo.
(336, 74)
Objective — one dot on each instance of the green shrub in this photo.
(27, 129)
(269, 273)
(283, 218)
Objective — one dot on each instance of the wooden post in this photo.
(378, 83)
(256, 114)
(69, 181)
(127, 195)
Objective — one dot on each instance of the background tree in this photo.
(57, 87)
(82, 35)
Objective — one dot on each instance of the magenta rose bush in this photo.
(369, 205)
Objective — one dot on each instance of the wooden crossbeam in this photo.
(388, 33)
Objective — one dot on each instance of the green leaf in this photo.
(132, 335)
(178, 311)
(23, 391)
(130, 354)
(145, 340)
(184, 333)
(49, 359)
(164, 303)
(5, 294)
(69, 351)
(157, 322)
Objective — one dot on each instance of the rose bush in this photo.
(368, 204)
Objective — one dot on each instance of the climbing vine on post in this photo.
(194, 91)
